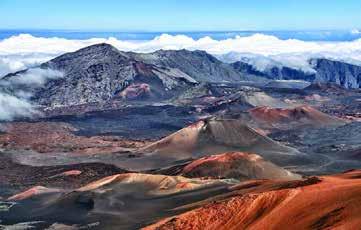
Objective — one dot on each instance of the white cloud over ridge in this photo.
(14, 101)
(25, 50)
(35, 77)
(10, 63)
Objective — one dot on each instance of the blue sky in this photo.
(180, 15)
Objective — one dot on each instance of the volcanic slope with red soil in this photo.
(34, 191)
(237, 165)
(120, 201)
(155, 184)
(328, 202)
(291, 117)
(135, 91)
(215, 136)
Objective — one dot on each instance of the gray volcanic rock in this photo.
(100, 72)
(341, 73)
(324, 87)
(344, 74)
(275, 72)
(288, 84)
(200, 65)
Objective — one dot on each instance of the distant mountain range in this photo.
(99, 73)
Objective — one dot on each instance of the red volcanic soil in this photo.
(68, 173)
(22, 177)
(237, 165)
(155, 184)
(184, 140)
(215, 136)
(301, 115)
(46, 137)
(135, 91)
(34, 191)
(328, 202)
(143, 68)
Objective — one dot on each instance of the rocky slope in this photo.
(200, 65)
(100, 73)
(288, 118)
(341, 73)
(275, 72)
(344, 74)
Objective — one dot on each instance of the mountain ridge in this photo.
(100, 73)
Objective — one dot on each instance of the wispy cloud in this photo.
(13, 107)
(355, 31)
(34, 77)
(16, 91)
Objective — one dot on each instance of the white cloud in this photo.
(35, 77)
(13, 107)
(10, 63)
(16, 104)
(24, 50)
(355, 31)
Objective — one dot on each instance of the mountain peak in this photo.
(99, 46)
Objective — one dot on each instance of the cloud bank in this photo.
(25, 50)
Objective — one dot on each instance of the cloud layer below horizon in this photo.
(25, 50)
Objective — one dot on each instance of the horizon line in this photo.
(176, 31)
